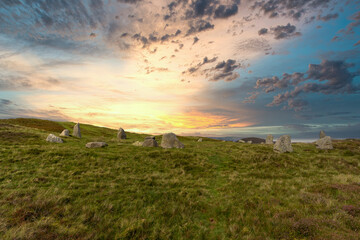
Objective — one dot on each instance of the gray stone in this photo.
(77, 131)
(283, 144)
(241, 141)
(269, 139)
(121, 134)
(169, 140)
(96, 144)
(65, 133)
(200, 140)
(324, 143)
(150, 143)
(137, 144)
(54, 139)
(322, 134)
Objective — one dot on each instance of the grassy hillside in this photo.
(209, 190)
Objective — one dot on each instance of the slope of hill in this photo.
(209, 190)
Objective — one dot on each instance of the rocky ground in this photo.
(207, 190)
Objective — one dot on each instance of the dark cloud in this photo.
(195, 68)
(328, 77)
(223, 11)
(284, 31)
(224, 71)
(291, 8)
(328, 17)
(263, 31)
(199, 26)
(5, 102)
(196, 39)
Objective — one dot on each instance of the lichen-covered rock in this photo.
(324, 143)
(169, 140)
(322, 134)
(77, 131)
(283, 144)
(149, 142)
(96, 144)
(65, 133)
(121, 134)
(54, 139)
(269, 139)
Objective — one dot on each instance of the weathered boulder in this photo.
(65, 133)
(150, 142)
(250, 142)
(121, 134)
(169, 140)
(54, 139)
(77, 131)
(322, 134)
(96, 144)
(324, 143)
(137, 144)
(283, 144)
(200, 140)
(269, 139)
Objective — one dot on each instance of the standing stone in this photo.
(200, 140)
(324, 143)
(150, 142)
(54, 139)
(283, 144)
(269, 139)
(169, 140)
(65, 133)
(322, 134)
(121, 134)
(77, 131)
(96, 144)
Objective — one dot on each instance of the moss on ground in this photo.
(209, 190)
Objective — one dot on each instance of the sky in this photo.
(192, 67)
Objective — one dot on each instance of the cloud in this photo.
(294, 9)
(224, 71)
(284, 31)
(199, 26)
(223, 11)
(328, 77)
(355, 23)
(328, 17)
(263, 31)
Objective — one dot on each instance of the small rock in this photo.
(283, 144)
(223, 141)
(269, 139)
(169, 140)
(250, 142)
(322, 134)
(121, 134)
(241, 141)
(200, 140)
(77, 131)
(324, 143)
(137, 144)
(65, 133)
(96, 144)
(149, 142)
(54, 139)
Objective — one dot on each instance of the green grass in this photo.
(209, 190)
